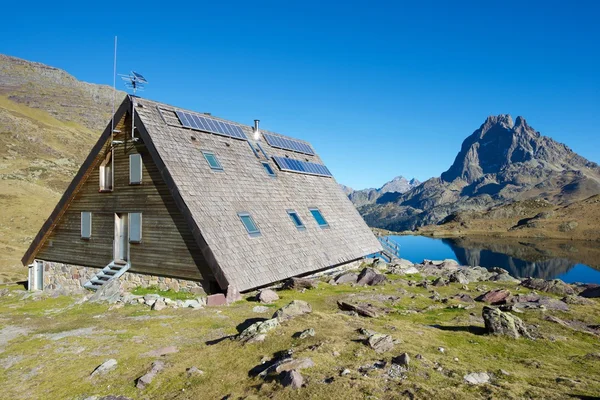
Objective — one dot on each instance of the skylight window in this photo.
(212, 161)
(249, 224)
(319, 217)
(268, 169)
(296, 219)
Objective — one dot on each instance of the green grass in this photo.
(141, 291)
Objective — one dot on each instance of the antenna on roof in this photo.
(134, 81)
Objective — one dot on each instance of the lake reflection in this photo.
(570, 261)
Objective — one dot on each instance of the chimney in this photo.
(256, 129)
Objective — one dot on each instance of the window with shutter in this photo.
(135, 227)
(135, 169)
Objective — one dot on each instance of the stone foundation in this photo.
(71, 278)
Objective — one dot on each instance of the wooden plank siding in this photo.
(168, 247)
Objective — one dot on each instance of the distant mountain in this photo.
(499, 163)
(369, 196)
(49, 121)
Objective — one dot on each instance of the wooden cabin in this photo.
(186, 200)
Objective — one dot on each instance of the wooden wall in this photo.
(167, 247)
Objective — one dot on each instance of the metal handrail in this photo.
(393, 247)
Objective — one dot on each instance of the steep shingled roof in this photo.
(211, 201)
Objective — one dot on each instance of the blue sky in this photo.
(380, 88)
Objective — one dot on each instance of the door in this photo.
(36, 275)
(121, 242)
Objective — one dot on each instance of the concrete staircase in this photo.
(110, 272)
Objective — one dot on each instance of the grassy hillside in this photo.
(48, 123)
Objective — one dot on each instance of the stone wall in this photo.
(71, 278)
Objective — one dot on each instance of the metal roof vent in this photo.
(256, 129)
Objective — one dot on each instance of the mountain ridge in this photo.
(398, 184)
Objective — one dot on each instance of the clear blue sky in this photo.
(380, 89)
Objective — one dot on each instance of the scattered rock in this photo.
(440, 282)
(369, 276)
(441, 350)
(574, 325)
(403, 359)
(191, 304)
(305, 333)
(292, 379)
(105, 367)
(465, 298)
(501, 323)
(345, 372)
(299, 283)
(477, 378)
(260, 309)
(459, 277)
(496, 296)
(410, 271)
(292, 310)
(194, 371)
(258, 328)
(555, 286)
(233, 294)
(348, 277)
(364, 310)
(161, 352)
(267, 296)
(147, 378)
(292, 365)
(577, 300)
(380, 264)
(216, 300)
(159, 305)
(380, 343)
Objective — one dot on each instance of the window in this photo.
(249, 224)
(135, 227)
(212, 160)
(86, 225)
(319, 217)
(135, 169)
(296, 219)
(268, 168)
(106, 176)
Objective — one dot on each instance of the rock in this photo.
(440, 282)
(441, 350)
(369, 276)
(380, 342)
(105, 367)
(147, 378)
(501, 323)
(503, 278)
(577, 300)
(459, 277)
(465, 298)
(194, 371)
(257, 339)
(169, 302)
(345, 372)
(292, 379)
(258, 328)
(348, 277)
(477, 378)
(305, 333)
(292, 310)
(159, 305)
(365, 311)
(216, 300)
(110, 292)
(233, 294)
(568, 226)
(567, 381)
(496, 296)
(292, 365)
(403, 360)
(267, 296)
(591, 291)
(191, 304)
(410, 271)
(163, 351)
(299, 283)
(504, 372)
(260, 309)
(380, 265)
(555, 286)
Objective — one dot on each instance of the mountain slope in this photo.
(369, 196)
(48, 123)
(499, 163)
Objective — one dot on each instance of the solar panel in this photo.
(305, 167)
(139, 77)
(205, 124)
(288, 144)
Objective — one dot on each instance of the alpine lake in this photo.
(571, 261)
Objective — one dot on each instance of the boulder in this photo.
(477, 378)
(159, 305)
(369, 276)
(110, 292)
(260, 309)
(347, 277)
(364, 310)
(591, 291)
(440, 282)
(380, 265)
(501, 323)
(147, 378)
(292, 310)
(258, 328)
(292, 379)
(465, 298)
(458, 277)
(233, 294)
(496, 296)
(216, 300)
(305, 333)
(267, 296)
(194, 371)
(403, 360)
(191, 304)
(292, 365)
(105, 367)
(410, 271)
(555, 286)
(380, 342)
(299, 283)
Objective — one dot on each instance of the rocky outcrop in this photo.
(292, 310)
(555, 286)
